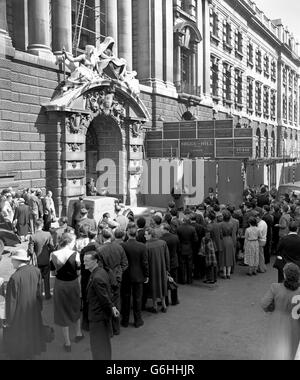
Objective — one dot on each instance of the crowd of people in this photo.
(102, 269)
(21, 209)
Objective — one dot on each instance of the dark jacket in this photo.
(114, 257)
(140, 237)
(99, 296)
(91, 223)
(41, 244)
(188, 238)
(138, 268)
(289, 249)
(174, 247)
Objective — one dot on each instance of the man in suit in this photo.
(22, 220)
(289, 249)
(134, 277)
(173, 244)
(211, 200)
(114, 257)
(188, 238)
(101, 309)
(39, 248)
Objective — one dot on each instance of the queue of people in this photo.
(102, 269)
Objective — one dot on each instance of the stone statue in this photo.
(99, 63)
(84, 68)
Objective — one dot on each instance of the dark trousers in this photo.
(267, 252)
(280, 276)
(212, 273)
(47, 222)
(45, 272)
(186, 269)
(199, 266)
(136, 290)
(100, 335)
(174, 293)
(116, 300)
(85, 277)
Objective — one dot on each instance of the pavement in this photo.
(222, 321)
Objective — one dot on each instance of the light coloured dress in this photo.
(252, 237)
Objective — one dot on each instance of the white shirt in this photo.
(263, 228)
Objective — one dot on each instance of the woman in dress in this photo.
(251, 246)
(66, 265)
(227, 256)
(282, 300)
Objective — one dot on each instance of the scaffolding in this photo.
(81, 25)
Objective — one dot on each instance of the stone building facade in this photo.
(203, 59)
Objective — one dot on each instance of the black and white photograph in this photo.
(149, 182)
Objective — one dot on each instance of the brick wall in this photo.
(25, 83)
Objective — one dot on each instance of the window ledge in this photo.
(250, 63)
(215, 38)
(228, 46)
(239, 54)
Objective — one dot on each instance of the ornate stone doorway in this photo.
(101, 121)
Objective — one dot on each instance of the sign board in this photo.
(200, 139)
(199, 148)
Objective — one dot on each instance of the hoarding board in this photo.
(197, 148)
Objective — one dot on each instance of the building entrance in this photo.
(104, 157)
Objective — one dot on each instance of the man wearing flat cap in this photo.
(23, 303)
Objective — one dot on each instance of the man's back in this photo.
(188, 237)
(136, 253)
(41, 244)
(174, 247)
(115, 258)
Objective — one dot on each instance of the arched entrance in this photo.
(104, 142)
(93, 123)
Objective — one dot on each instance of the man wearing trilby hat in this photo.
(23, 303)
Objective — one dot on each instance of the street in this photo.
(212, 322)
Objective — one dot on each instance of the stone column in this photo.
(39, 27)
(112, 21)
(61, 25)
(5, 40)
(20, 24)
(157, 42)
(177, 67)
(200, 53)
(144, 41)
(206, 47)
(168, 43)
(125, 31)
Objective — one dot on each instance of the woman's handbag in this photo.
(172, 285)
(49, 334)
(279, 263)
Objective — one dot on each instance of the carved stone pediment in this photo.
(104, 102)
(78, 123)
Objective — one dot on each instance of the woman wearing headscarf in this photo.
(282, 301)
